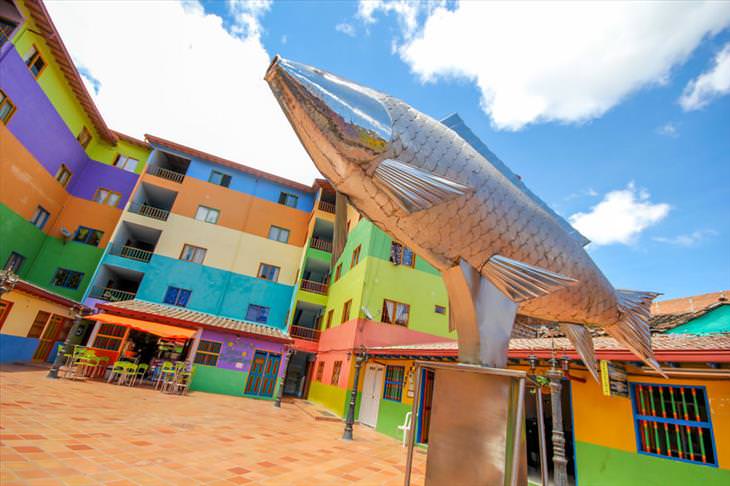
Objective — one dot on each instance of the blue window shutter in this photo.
(183, 298)
(171, 295)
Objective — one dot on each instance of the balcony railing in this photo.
(149, 211)
(111, 295)
(312, 286)
(327, 207)
(131, 252)
(320, 244)
(168, 174)
(305, 333)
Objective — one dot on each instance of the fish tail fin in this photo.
(632, 330)
(581, 339)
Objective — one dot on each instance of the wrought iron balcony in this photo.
(321, 244)
(149, 211)
(131, 252)
(111, 295)
(305, 333)
(327, 207)
(168, 174)
(312, 286)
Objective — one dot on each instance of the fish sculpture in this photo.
(501, 250)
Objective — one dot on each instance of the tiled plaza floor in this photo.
(74, 433)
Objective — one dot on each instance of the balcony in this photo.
(326, 206)
(168, 174)
(149, 211)
(131, 252)
(320, 244)
(111, 295)
(312, 286)
(301, 332)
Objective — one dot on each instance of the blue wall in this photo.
(16, 348)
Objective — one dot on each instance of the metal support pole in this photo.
(560, 470)
(360, 358)
(287, 358)
(67, 345)
(544, 476)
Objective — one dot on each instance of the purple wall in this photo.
(237, 351)
(42, 131)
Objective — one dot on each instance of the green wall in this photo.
(605, 466)
(715, 321)
(17, 234)
(218, 380)
(390, 415)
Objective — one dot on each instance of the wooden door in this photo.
(372, 388)
(425, 408)
(56, 329)
(263, 374)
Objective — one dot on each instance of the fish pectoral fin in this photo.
(520, 281)
(416, 189)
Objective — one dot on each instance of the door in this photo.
(372, 388)
(56, 329)
(425, 409)
(263, 373)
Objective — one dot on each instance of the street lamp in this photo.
(280, 392)
(360, 358)
(8, 280)
(77, 315)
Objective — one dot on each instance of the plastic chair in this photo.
(117, 369)
(406, 427)
(184, 379)
(129, 372)
(165, 373)
(141, 371)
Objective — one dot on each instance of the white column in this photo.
(93, 334)
(194, 347)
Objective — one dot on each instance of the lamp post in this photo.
(287, 358)
(78, 316)
(360, 358)
(560, 463)
(8, 280)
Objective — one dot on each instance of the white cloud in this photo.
(187, 79)
(620, 216)
(345, 28)
(687, 239)
(405, 10)
(669, 129)
(247, 15)
(548, 61)
(708, 85)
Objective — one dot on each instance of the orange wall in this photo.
(81, 212)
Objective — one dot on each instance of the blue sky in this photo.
(605, 142)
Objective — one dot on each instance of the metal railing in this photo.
(131, 252)
(149, 211)
(168, 174)
(312, 286)
(305, 333)
(320, 244)
(111, 295)
(327, 207)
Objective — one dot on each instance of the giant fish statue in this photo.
(500, 249)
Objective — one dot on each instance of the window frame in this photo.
(70, 274)
(280, 230)
(397, 257)
(91, 231)
(208, 210)
(109, 338)
(16, 267)
(223, 177)
(36, 328)
(40, 210)
(319, 376)
(668, 421)
(276, 274)
(5, 307)
(346, 308)
(32, 59)
(330, 317)
(268, 313)
(6, 101)
(440, 309)
(124, 165)
(395, 313)
(355, 259)
(60, 172)
(389, 385)
(336, 371)
(285, 197)
(105, 199)
(338, 272)
(178, 294)
(207, 354)
(195, 251)
(86, 135)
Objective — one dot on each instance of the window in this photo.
(320, 371)
(208, 352)
(109, 337)
(335, 379)
(394, 377)
(35, 62)
(127, 163)
(268, 272)
(257, 313)
(279, 234)
(14, 262)
(288, 199)
(219, 178)
(88, 236)
(395, 312)
(40, 217)
(193, 254)
(5, 307)
(177, 296)
(84, 137)
(105, 196)
(439, 309)
(402, 255)
(355, 256)
(209, 215)
(7, 108)
(67, 278)
(338, 272)
(673, 421)
(63, 175)
(330, 314)
(6, 28)
(39, 323)
(346, 311)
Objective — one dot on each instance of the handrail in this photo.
(111, 295)
(168, 174)
(320, 244)
(131, 252)
(306, 333)
(327, 207)
(312, 286)
(149, 211)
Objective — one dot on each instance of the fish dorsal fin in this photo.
(416, 189)
(520, 281)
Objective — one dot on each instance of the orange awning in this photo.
(155, 328)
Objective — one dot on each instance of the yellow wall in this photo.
(25, 307)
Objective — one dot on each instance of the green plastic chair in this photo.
(117, 369)
(166, 374)
(141, 371)
(128, 373)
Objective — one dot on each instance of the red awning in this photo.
(162, 330)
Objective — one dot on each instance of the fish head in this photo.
(345, 127)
